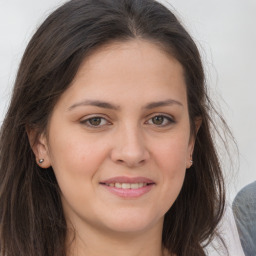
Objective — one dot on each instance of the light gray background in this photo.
(226, 35)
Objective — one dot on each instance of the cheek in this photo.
(173, 166)
(75, 158)
(172, 155)
(171, 161)
(76, 161)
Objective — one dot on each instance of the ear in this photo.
(197, 123)
(39, 145)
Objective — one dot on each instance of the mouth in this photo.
(127, 187)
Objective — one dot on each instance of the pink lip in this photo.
(128, 193)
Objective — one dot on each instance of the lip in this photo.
(130, 192)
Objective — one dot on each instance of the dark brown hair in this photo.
(31, 215)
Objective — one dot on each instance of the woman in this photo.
(106, 148)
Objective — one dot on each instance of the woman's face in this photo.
(119, 138)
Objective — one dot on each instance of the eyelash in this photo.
(167, 120)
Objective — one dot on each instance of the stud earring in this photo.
(41, 161)
(191, 161)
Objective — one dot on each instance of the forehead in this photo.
(137, 68)
(135, 51)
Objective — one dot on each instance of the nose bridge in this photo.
(130, 148)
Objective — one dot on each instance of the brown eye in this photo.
(95, 122)
(158, 120)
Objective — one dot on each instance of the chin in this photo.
(133, 223)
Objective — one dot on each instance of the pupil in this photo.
(95, 121)
(158, 120)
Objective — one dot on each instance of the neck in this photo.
(93, 242)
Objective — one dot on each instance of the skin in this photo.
(132, 138)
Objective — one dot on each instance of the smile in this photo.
(127, 185)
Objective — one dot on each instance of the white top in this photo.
(228, 230)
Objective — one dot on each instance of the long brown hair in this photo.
(31, 215)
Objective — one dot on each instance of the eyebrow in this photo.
(96, 103)
(163, 103)
(107, 105)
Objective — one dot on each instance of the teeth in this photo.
(134, 185)
(118, 185)
(127, 185)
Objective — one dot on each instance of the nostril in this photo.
(129, 155)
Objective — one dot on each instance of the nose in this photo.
(129, 148)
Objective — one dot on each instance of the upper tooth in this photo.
(134, 185)
(141, 185)
(127, 185)
(118, 185)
